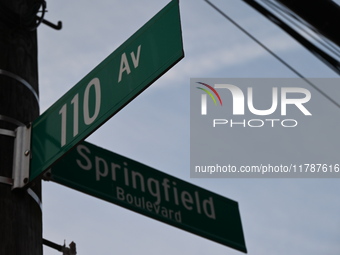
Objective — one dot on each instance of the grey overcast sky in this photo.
(279, 216)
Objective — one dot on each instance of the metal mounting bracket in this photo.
(21, 157)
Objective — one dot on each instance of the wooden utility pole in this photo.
(20, 212)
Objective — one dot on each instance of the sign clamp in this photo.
(21, 156)
(10, 133)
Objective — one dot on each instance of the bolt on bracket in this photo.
(21, 157)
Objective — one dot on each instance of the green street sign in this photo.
(122, 76)
(135, 186)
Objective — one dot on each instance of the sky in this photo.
(279, 215)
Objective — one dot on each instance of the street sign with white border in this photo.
(143, 189)
(122, 76)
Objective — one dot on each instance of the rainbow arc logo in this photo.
(212, 93)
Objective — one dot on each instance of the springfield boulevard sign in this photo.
(130, 69)
(125, 182)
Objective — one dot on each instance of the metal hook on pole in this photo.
(46, 22)
(50, 24)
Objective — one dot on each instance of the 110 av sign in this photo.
(122, 76)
